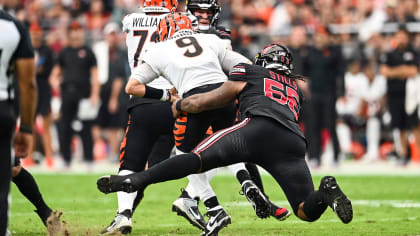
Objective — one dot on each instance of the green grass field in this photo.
(383, 205)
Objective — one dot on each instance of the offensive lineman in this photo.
(268, 135)
(146, 135)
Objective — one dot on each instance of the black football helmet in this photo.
(212, 5)
(275, 57)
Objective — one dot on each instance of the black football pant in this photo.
(69, 108)
(7, 125)
(190, 129)
(148, 136)
(258, 140)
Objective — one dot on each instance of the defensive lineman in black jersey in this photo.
(267, 135)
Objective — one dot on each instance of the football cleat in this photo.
(337, 200)
(188, 208)
(114, 183)
(280, 213)
(120, 225)
(258, 200)
(218, 219)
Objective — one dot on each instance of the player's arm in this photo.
(210, 100)
(25, 72)
(136, 85)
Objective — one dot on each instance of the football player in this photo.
(193, 64)
(268, 135)
(206, 15)
(148, 138)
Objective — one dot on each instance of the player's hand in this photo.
(175, 112)
(21, 143)
(113, 105)
(174, 94)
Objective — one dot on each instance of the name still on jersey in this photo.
(268, 94)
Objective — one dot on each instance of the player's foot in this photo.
(120, 225)
(258, 200)
(337, 200)
(280, 213)
(114, 183)
(44, 214)
(218, 219)
(188, 208)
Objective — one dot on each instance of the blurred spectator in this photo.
(95, 19)
(43, 67)
(398, 66)
(324, 68)
(112, 68)
(349, 106)
(77, 65)
(372, 108)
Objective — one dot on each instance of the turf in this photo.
(383, 205)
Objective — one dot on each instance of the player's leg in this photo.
(161, 151)
(29, 188)
(7, 125)
(189, 130)
(284, 159)
(142, 140)
(134, 150)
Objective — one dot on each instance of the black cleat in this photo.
(337, 200)
(218, 219)
(258, 200)
(115, 183)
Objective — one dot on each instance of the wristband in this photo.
(25, 129)
(178, 105)
(154, 93)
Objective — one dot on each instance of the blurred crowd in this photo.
(343, 47)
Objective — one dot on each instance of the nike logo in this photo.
(192, 212)
(213, 220)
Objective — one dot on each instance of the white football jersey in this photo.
(139, 28)
(190, 60)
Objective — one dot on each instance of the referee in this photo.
(16, 55)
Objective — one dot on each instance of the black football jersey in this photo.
(268, 94)
(221, 32)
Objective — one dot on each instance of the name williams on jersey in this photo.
(145, 21)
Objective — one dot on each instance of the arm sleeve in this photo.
(144, 74)
(238, 72)
(24, 48)
(231, 59)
